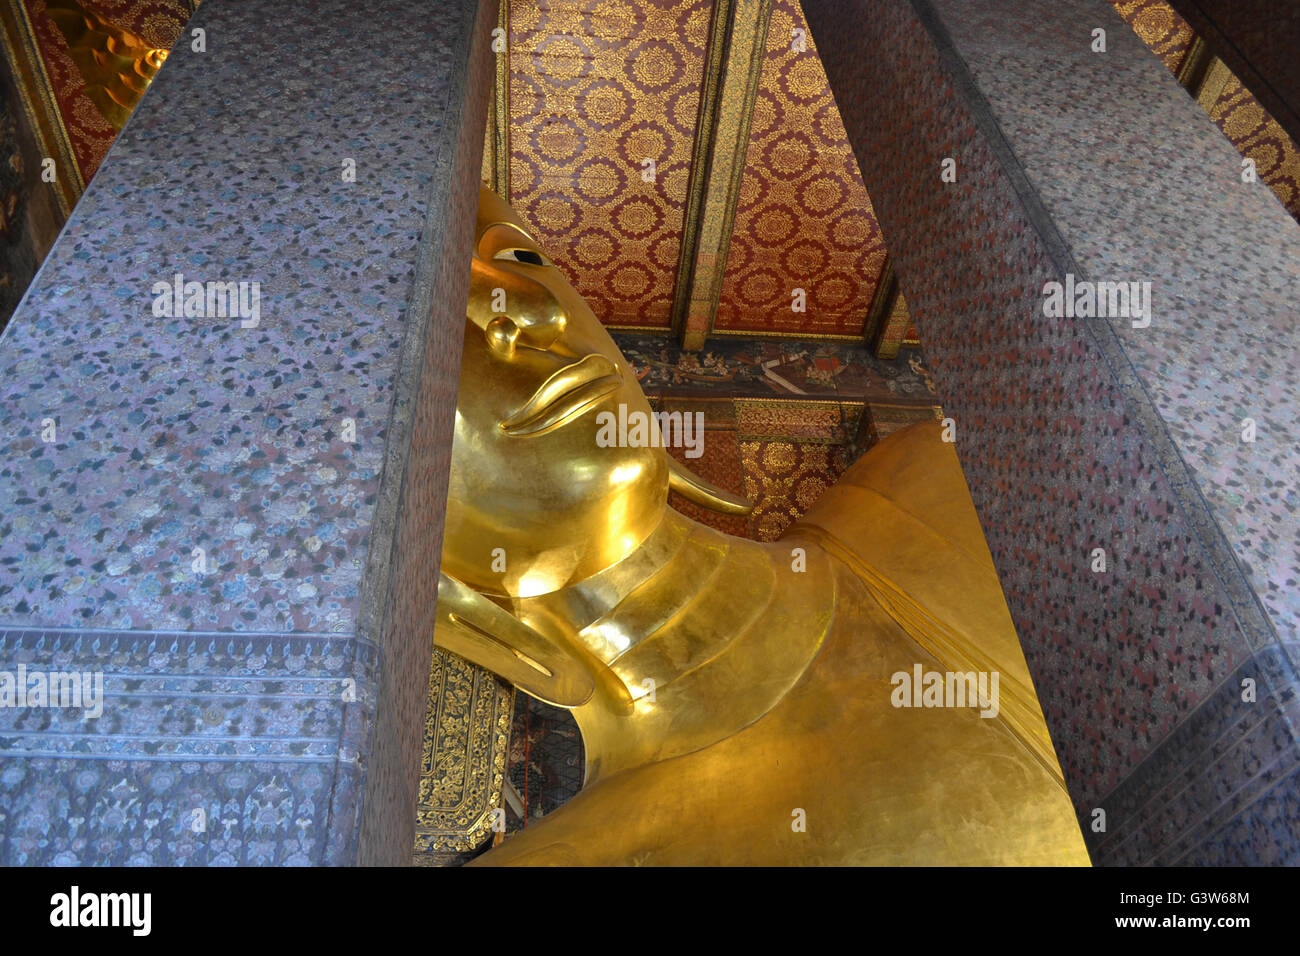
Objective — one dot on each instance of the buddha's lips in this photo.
(564, 396)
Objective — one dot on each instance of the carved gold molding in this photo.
(462, 771)
(801, 336)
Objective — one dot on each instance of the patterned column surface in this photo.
(1167, 678)
(234, 364)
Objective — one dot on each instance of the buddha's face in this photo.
(534, 502)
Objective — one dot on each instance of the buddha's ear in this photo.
(486, 634)
(704, 493)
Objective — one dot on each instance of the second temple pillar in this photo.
(1130, 468)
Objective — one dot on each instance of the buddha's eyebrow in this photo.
(516, 229)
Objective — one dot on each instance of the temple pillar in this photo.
(1004, 151)
(224, 504)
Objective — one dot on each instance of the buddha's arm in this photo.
(902, 519)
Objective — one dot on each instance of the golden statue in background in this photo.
(116, 65)
(740, 702)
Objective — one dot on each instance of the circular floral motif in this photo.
(606, 104)
(676, 181)
(752, 191)
(832, 292)
(779, 457)
(683, 110)
(559, 140)
(643, 142)
(609, 17)
(554, 214)
(821, 195)
(696, 29)
(829, 127)
(761, 287)
(1267, 156)
(593, 248)
(788, 156)
(1152, 24)
(637, 217)
(630, 280)
(656, 65)
(600, 180)
(804, 258)
(805, 80)
(774, 225)
(665, 250)
(1242, 121)
(563, 59)
(808, 490)
(851, 231)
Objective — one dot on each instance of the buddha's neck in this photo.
(707, 632)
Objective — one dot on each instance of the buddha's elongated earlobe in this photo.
(704, 493)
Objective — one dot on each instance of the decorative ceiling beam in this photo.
(733, 67)
(496, 144)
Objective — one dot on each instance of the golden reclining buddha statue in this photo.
(739, 702)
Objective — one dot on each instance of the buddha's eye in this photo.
(521, 255)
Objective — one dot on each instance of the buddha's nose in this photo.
(535, 327)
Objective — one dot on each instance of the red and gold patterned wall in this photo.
(595, 90)
(804, 219)
(1160, 28)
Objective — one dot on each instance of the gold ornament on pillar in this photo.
(740, 702)
(116, 64)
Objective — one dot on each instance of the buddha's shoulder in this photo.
(906, 494)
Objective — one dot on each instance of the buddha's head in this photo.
(535, 501)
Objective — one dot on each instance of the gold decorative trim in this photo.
(764, 400)
(496, 133)
(705, 132)
(740, 334)
(659, 329)
(881, 301)
(801, 336)
(34, 87)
